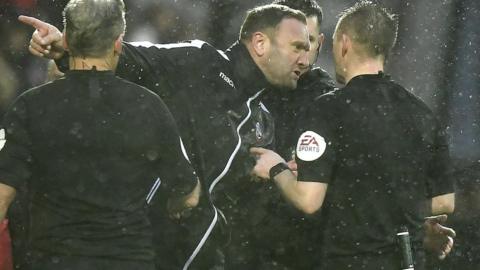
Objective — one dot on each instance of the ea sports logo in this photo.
(308, 140)
(310, 146)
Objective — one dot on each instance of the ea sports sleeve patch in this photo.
(310, 146)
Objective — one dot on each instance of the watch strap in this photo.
(280, 167)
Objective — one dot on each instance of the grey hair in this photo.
(91, 26)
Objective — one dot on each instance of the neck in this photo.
(88, 63)
(363, 67)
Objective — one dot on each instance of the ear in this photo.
(260, 43)
(117, 49)
(321, 38)
(346, 44)
(64, 41)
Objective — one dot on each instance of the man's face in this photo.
(316, 40)
(287, 55)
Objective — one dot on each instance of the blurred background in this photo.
(436, 57)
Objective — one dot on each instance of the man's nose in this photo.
(303, 60)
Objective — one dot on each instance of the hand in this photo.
(266, 159)
(177, 208)
(180, 207)
(46, 41)
(292, 165)
(438, 238)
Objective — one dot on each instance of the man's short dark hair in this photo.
(266, 18)
(371, 26)
(92, 26)
(309, 7)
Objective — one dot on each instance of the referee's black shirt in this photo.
(91, 147)
(384, 155)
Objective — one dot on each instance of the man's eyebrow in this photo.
(301, 44)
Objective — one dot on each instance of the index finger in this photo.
(436, 219)
(34, 22)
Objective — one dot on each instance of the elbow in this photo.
(310, 208)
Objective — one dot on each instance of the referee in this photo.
(93, 149)
(376, 147)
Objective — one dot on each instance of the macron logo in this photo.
(226, 79)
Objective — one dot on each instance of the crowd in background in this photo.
(436, 57)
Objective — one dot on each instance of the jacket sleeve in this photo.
(151, 65)
(315, 151)
(174, 168)
(440, 180)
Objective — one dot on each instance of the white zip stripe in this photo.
(184, 151)
(235, 151)
(194, 43)
(203, 240)
(214, 183)
(153, 190)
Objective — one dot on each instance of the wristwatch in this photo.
(280, 167)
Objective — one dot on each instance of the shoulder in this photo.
(42, 90)
(417, 105)
(322, 76)
(130, 88)
(317, 80)
(324, 108)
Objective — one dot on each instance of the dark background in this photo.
(436, 57)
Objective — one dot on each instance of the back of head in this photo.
(92, 26)
(309, 7)
(370, 26)
(266, 18)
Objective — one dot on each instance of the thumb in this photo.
(41, 26)
(446, 230)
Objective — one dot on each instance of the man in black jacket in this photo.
(214, 95)
(267, 215)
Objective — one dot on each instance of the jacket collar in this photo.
(247, 75)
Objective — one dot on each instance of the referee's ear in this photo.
(64, 40)
(346, 44)
(118, 45)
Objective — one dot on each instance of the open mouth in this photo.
(298, 73)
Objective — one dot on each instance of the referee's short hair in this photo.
(266, 19)
(370, 26)
(309, 7)
(91, 26)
